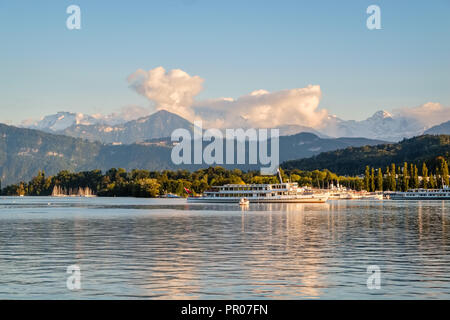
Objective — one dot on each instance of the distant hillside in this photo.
(305, 145)
(301, 145)
(23, 152)
(443, 128)
(352, 160)
(289, 130)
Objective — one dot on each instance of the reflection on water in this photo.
(168, 249)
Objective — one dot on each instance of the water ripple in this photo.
(168, 249)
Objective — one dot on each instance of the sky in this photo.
(321, 51)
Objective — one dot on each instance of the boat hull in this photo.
(420, 198)
(212, 200)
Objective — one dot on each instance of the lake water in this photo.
(167, 249)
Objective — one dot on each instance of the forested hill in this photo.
(24, 152)
(352, 161)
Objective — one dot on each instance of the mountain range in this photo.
(157, 125)
(61, 121)
(74, 141)
(23, 152)
(381, 126)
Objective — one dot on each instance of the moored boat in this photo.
(287, 192)
(422, 194)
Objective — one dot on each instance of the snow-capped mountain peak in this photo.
(381, 125)
(61, 121)
(382, 114)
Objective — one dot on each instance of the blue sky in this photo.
(235, 46)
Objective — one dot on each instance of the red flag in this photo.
(187, 190)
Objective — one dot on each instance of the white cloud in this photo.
(173, 91)
(127, 113)
(428, 114)
(263, 109)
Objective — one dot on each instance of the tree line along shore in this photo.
(143, 183)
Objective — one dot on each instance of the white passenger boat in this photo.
(287, 192)
(422, 194)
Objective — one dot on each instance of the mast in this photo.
(279, 175)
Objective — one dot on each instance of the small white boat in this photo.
(244, 202)
(372, 196)
(170, 196)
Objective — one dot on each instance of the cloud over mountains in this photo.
(175, 91)
(428, 114)
(263, 109)
(296, 109)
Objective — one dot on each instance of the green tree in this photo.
(416, 182)
(393, 183)
(146, 187)
(411, 175)
(367, 179)
(387, 179)
(424, 176)
(405, 180)
(21, 191)
(372, 180)
(380, 180)
(444, 172)
(432, 182)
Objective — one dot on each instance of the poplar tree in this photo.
(445, 173)
(439, 178)
(393, 176)
(367, 179)
(432, 182)
(405, 185)
(387, 180)
(380, 180)
(416, 178)
(372, 180)
(411, 175)
(424, 176)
